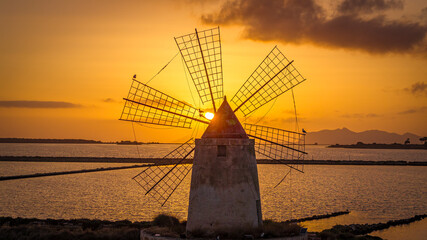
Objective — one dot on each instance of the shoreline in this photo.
(380, 146)
(12, 227)
(189, 161)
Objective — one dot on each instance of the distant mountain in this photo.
(346, 136)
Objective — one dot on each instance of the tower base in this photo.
(224, 193)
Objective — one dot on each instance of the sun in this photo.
(209, 115)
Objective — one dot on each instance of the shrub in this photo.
(163, 220)
(281, 229)
(168, 226)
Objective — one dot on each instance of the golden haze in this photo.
(85, 53)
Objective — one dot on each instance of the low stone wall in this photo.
(147, 236)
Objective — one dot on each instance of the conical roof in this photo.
(225, 124)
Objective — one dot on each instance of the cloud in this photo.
(372, 115)
(38, 104)
(360, 115)
(109, 100)
(297, 22)
(368, 6)
(417, 89)
(268, 121)
(414, 110)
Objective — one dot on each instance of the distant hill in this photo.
(346, 136)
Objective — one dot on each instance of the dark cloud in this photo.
(413, 111)
(424, 14)
(38, 104)
(295, 21)
(368, 6)
(418, 89)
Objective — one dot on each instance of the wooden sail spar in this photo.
(202, 55)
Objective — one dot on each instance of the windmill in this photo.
(224, 193)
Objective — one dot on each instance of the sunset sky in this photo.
(65, 65)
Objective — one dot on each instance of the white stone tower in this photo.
(224, 193)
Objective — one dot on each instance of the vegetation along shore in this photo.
(164, 225)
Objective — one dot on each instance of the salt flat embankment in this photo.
(173, 161)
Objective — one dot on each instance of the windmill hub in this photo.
(224, 193)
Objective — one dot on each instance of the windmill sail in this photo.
(277, 144)
(161, 181)
(148, 105)
(202, 55)
(273, 77)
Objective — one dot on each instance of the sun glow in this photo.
(209, 115)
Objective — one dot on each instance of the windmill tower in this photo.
(224, 192)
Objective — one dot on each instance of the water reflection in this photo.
(21, 168)
(372, 194)
(413, 231)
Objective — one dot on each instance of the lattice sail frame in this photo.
(202, 55)
(273, 77)
(145, 104)
(170, 176)
(277, 144)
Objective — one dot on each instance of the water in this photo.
(86, 150)
(372, 193)
(316, 152)
(20, 168)
(324, 153)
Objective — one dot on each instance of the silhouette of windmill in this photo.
(201, 52)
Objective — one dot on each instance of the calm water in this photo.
(372, 193)
(159, 150)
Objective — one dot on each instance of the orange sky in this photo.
(81, 56)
